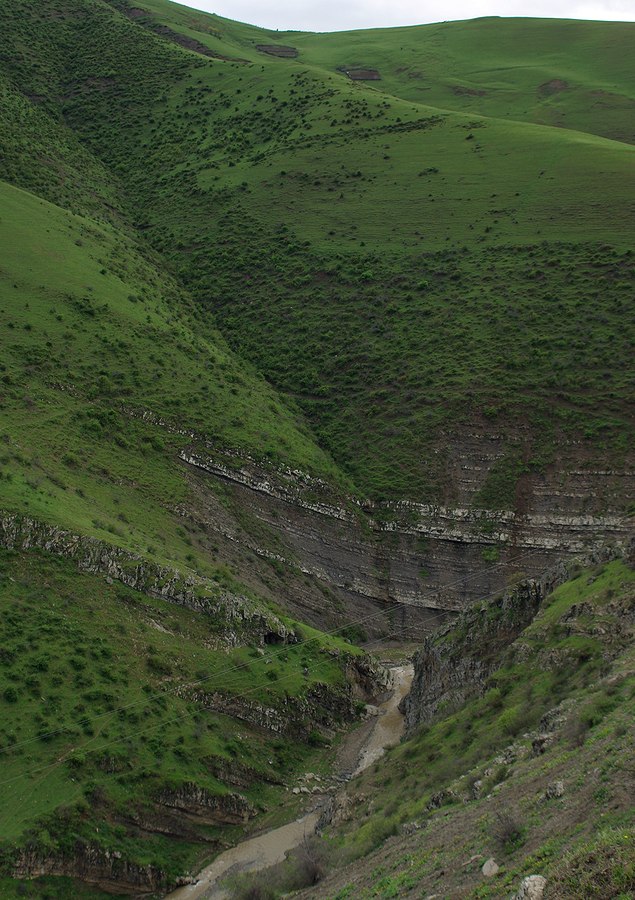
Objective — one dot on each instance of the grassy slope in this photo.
(96, 716)
(294, 202)
(43, 157)
(93, 328)
(569, 74)
(227, 399)
(309, 113)
(579, 650)
(564, 73)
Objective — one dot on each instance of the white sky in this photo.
(339, 15)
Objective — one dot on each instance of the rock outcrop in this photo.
(400, 566)
(322, 707)
(454, 662)
(531, 888)
(196, 803)
(90, 863)
(234, 616)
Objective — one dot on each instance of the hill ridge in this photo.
(347, 354)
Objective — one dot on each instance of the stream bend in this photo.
(384, 730)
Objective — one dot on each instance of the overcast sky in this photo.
(339, 15)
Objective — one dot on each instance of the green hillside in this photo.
(568, 74)
(96, 679)
(112, 709)
(214, 238)
(353, 227)
(564, 73)
(100, 346)
(97, 333)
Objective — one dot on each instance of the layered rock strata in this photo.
(454, 663)
(234, 615)
(399, 568)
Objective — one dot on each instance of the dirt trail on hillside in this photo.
(359, 750)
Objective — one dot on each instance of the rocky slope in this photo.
(520, 777)
(454, 663)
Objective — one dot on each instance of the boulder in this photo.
(490, 867)
(541, 743)
(447, 795)
(531, 888)
(476, 789)
(554, 790)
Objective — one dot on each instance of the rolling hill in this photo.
(352, 222)
(299, 332)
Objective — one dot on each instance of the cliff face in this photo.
(179, 812)
(397, 568)
(106, 869)
(194, 802)
(232, 614)
(454, 663)
(402, 567)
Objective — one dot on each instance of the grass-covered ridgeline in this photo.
(563, 73)
(398, 269)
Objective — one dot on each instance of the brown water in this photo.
(257, 853)
(251, 855)
(389, 723)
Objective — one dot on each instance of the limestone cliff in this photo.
(90, 863)
(400, 567)
(454, 662)
(232, 614)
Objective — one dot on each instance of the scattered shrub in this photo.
(507, 831)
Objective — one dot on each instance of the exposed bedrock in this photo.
(235, 616)
(203, 807)
(454, 662)
(321, 707)
(400, 567)
(179, 811)
(106, 869)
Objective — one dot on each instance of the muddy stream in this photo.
(359, 750)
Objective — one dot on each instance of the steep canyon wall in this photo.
(404, 567)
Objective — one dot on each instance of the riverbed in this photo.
(364, 746)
